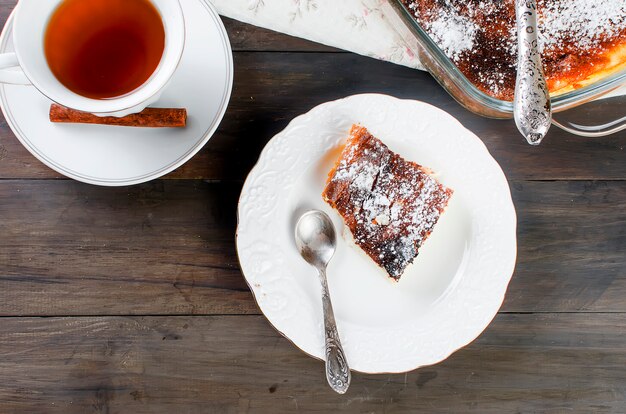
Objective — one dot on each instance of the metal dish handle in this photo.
(602, 129)
(593, 131)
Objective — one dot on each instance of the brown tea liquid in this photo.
(104, 48)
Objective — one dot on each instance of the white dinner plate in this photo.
(444, 300)
(116, 156)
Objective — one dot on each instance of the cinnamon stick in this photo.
(148, 118)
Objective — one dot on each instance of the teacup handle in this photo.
(12, 77)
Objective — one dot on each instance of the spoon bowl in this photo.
(316, 239)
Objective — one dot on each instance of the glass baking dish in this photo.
(452, 79)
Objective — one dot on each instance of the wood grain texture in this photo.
(273, 88)
(239, 364)
(160, 248)
(571, 244)
(168, 247)
(248, 38)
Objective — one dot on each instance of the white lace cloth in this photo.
(355, 25)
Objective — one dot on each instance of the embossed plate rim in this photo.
(366, 358)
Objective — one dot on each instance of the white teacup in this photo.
(29, 28)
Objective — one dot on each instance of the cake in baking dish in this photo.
(581, 40)
(390, 205)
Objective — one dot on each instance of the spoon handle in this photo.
(531, 106)
(337, 371)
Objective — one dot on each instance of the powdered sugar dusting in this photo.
(480, 37)
(390, 205)
(580, 23)
(452, 32)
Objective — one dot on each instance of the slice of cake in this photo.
(389, 204)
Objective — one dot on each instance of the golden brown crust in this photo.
(389, 204)
(583, 40)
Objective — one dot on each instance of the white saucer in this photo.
(116, 156)
(451, 292)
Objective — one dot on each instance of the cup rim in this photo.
(123, 103)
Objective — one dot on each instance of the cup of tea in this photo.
(106, 57)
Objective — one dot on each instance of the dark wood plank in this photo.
(161, 248)
(6, 7)
(248, 38)
(572, 239)
(239, 364)
(273, 88)
(168, 248)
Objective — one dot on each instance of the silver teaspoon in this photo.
(316, 242)
(531, 106)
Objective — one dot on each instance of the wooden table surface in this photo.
(130, 300)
